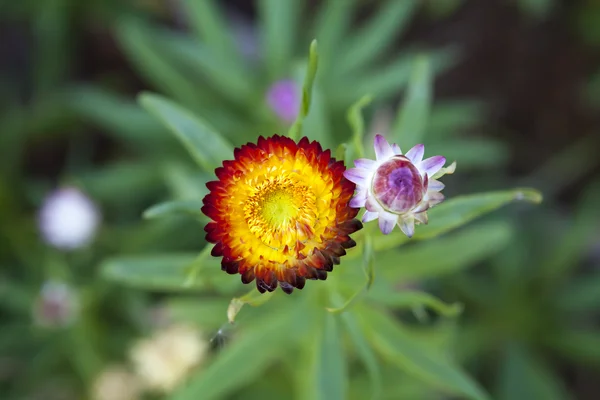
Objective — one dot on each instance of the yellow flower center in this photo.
(278, 213)
(279, 207)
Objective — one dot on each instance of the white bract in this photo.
(397, 188)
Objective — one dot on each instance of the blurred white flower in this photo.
(56, 306)
(165, 360)
(68, 219)
(116, 383)
(397, 188)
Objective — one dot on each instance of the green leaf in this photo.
(316, 124)
(410, 124)
(331, 24)
(211, 28)
(582, 347)
(328, 370)
(569, 165)
(456, 212)
(566, 255)
(410, 299)
(139, 43)
(53, 43)
(580, 294)
(411, 356)
(167, 272)
(117, 115)
(368, 269)
(357, 123)
(206, 313)
(207, 147)
(227, 77)
(446, 255)
(374, 38)
(253, 298)
(385, 82)
(279, 23)
(313, 60)
(452, 118)
(178, 207)
(108, 183)
(522, 377)
(249, 355)
(472, 152)
(364, 352)
(184, 181)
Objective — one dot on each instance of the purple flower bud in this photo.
(397, 185)
(284, 99)
(397, 188)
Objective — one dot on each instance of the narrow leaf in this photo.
(357, 123)
(235, 83)
(313, 60)
(452, 118)
(279, 24)
(369, 271)
(167, 272)
(582, 347)
(569, 165)
(581, 294)
(385, 82)
(412, 357)
(117, 115)
(522, 377)
(578, 238)
(472, 152)
(410, 299)
(445, 255)
(207, 147)
(211, 28)
(207, 313)
(138, 41)
(331, 24)
(328, 371)
(410, 124)
(373, 39)
(248, 356)
(253, 298)
(178, 207)
(365, 353)
(456, 212)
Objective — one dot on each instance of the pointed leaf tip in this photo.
(528, 194)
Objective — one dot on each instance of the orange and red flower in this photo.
(280, 213)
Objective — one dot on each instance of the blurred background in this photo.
(516, 102)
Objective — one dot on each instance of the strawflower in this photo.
(398, 188)
(280, 213)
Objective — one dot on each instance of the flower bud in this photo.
(397, 188)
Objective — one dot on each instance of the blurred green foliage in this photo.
(377, 328)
